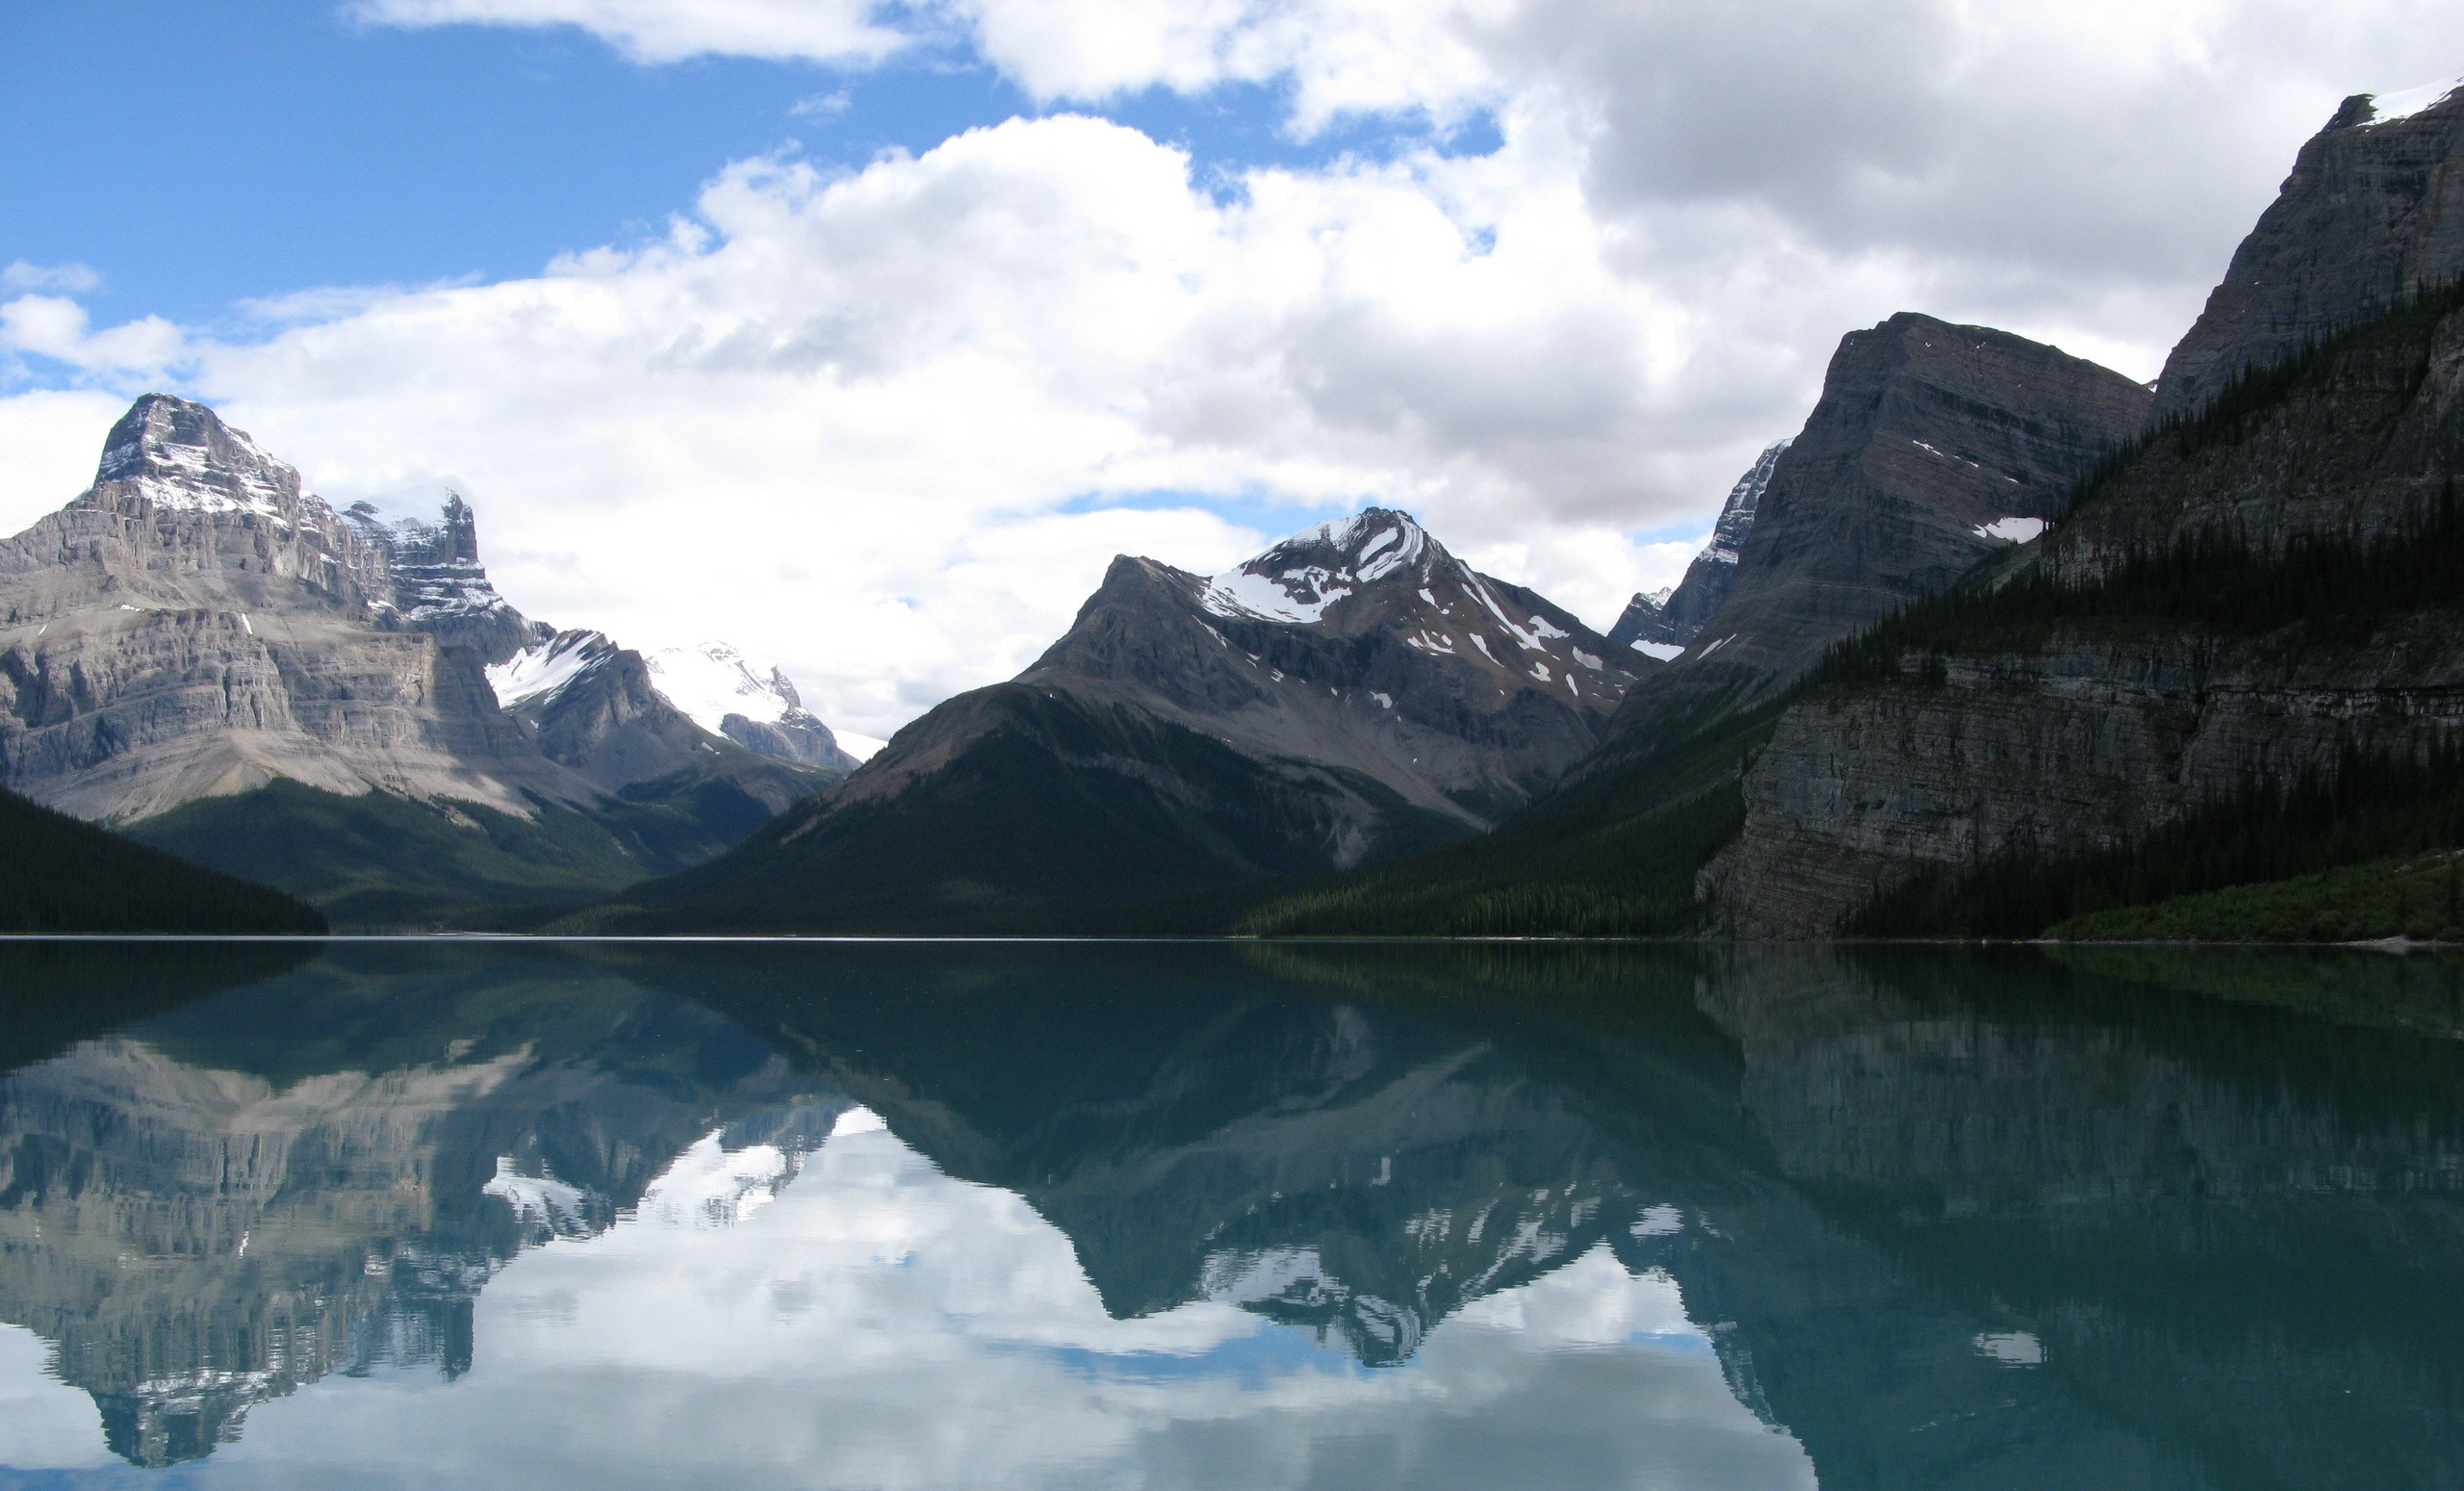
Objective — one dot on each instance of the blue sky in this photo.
(201, 156)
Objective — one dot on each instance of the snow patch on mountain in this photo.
(2011, 531)
(544, 671)
(183, 476)
(863, 748)
(2404, 103)
(1297, 580)
(713, 681)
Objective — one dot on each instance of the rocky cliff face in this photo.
(1352, 692)
(440, 587)
(1661, 625)
(195, 624)
(2058, 734)
(1932, 447)
(2373, 212)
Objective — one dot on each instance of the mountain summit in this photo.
(1352, 693)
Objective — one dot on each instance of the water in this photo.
(1203, 1215)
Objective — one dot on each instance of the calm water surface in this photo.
(859, 1216)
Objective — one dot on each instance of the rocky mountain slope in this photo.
(1353, 692)
(2372, 212)
(1662, 624)
(196, 632)
(1932, 446)
(2244, 635)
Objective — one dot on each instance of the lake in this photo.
(860, 1215)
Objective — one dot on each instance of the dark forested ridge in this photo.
(59, 875)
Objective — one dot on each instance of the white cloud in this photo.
(666, 31)
(49, 442)
(56, 327)
(71, 278)
(852, 421)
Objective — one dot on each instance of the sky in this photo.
(863, 336)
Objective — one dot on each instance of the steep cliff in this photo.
(1352, 693)
(2372, 212)
(2252, 607)
(1932, 446)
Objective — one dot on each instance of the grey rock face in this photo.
(195, 624)
(1360, 645)
(1932, 447)
(2371, 213)
(440, 587)
(1662, 624)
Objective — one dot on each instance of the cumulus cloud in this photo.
(870, 421)
(57, 327)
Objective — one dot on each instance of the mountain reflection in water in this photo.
(903, 1215)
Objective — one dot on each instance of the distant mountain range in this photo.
(201, 654)
(1994, 633)
(1353, 694)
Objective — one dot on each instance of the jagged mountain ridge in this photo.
(1662, 623)
(1351, 692)
(750, 700)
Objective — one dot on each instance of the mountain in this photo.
(203, 655)
(1662, 624)
(1352, 693)
(2235, 660)
(749, 701)
(2373, 213)
(601, 709)
(1933, 447)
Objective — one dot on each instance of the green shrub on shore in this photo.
(2416, 896)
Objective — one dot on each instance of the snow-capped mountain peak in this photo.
(180, 456)
(713, 681)
(1297, 580)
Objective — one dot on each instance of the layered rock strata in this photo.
(196, 625)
